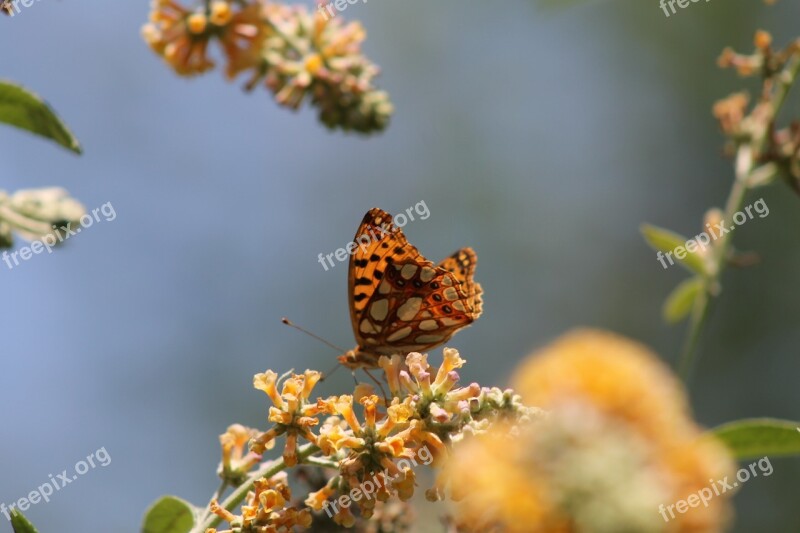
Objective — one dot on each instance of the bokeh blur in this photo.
(541, 136)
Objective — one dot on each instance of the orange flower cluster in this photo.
(266, 509)
(618, 441)
(293, 53)
(612, 441)
(778, 70)
(379, 443)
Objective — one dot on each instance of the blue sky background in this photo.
(541, 137)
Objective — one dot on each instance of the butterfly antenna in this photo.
(326, 375)
(320, 339)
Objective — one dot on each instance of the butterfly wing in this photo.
(401, 302)
(462, 265)
(377, 241)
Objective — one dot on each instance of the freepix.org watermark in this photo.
(59, 235)
(702, 241)
(327, 10)
(722, 486)
(683, 4)
(400, 220)
(12, 6)
(43, 492)
(369, 487)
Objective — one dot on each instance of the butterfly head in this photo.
(357, 358)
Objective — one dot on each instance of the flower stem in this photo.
(747, 164)
(217, 495)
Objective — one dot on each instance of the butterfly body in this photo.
(401, 302)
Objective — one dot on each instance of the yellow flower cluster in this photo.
(618, 441)
(266, 509)
(611, 440)
(294, 54)
(367, 439)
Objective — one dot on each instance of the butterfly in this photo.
(6, 7)
(399, 301)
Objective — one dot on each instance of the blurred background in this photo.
(542, 137)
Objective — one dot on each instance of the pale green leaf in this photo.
(668, 242)
(169, 515)
(680, 301)
(759, 437)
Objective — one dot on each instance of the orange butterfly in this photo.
(399, 301)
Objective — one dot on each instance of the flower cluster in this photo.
(295, 54)
(778, 147)
(235, 463)
(364, 439)
(266, 509)
(618, 441)
(611, 441)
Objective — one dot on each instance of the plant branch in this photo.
(749, 174)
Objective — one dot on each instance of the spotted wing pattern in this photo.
(399, 301)
(462, 265)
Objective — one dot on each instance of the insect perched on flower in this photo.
(399, 301)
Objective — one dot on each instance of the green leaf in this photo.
(26, 110)
(681, 299)
(757, 437)
(665, 241)
(169, 515)
(20, 524)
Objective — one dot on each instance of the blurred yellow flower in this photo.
(618, 443)
(182, 35)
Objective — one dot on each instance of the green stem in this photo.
(699, 315)
(746, 165)
(745, 162)
(217, 495)
(325, 463)
(267, 470)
